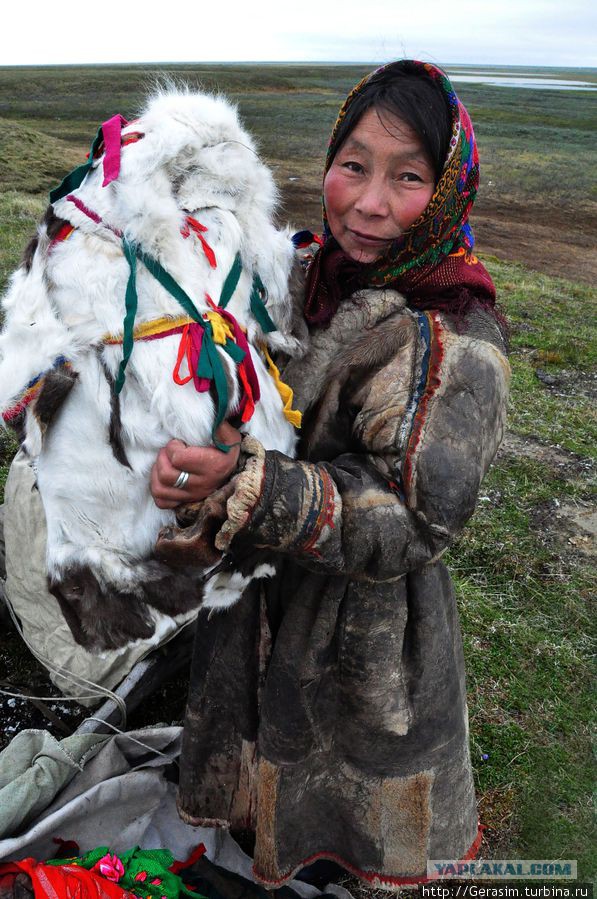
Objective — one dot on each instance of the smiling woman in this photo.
(377, 186)
(327, 709)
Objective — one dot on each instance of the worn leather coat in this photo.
(327, 712)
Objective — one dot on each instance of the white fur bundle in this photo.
(195, 159)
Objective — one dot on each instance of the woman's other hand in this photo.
(208, 469)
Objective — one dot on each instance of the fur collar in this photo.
(356, 317)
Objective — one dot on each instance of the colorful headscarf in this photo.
(432, 263)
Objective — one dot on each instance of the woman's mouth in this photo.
(369, 239)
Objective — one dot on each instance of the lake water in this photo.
(537, 82)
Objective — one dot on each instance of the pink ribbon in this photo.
(196, 338)
(111, 131)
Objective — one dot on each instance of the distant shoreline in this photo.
(450, 66)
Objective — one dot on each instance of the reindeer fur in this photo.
(93, 451)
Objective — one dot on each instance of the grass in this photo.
(525, 592)
(523, 588)
(552, 332)
(525, 607)
(19, 214)
(291, 110)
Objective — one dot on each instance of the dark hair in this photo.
(417, 100)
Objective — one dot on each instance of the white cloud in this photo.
(542, 32)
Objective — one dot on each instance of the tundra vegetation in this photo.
(524, 566)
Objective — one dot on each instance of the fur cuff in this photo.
(248, 487)
(282, 504)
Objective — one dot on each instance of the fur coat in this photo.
(327, 711)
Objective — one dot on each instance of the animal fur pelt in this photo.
(189, 191)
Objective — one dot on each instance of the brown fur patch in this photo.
(56, 387)
(172, 592)
(296, 291)
(103, 618)
(100, 619)
(52, 225)
(405, 821)
(115, 427)
(29, 253)
(374, 349)
(244, 803)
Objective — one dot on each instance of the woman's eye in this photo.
(352, 166)
(409, 176)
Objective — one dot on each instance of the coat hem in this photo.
(196, 821)
(373, 878)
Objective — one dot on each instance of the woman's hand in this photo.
(208, 468)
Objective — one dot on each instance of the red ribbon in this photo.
(189, 348)
(198, 229)
(246, 369)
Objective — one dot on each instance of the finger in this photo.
(174, 446)
(205, 461)
(194, 459)
(161, 495)
(167, 496)
(165, 472)
(227, 434)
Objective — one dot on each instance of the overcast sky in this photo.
(523, 32)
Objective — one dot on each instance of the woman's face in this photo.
(378, 184)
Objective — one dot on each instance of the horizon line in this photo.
(282, 62)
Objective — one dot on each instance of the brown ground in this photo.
(546, 239)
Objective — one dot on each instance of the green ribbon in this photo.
(210, 364)
(130, 251)
(258, 307)
(75, 178)
(173, 287)
(231, 282)
(257, 292)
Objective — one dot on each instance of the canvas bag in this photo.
(73, 669)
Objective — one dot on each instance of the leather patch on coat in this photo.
(405, 822)
(266, 853)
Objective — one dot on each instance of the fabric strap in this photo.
(111, 131)
(258, 308)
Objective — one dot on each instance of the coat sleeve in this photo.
(398, 502)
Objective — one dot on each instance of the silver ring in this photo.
(181, 480)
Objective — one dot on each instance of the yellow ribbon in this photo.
(292, 415)
(150, 329)
(222, 330)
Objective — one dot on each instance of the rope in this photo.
(32, 696)
(98, 690)
(124, 733)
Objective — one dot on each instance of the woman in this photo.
(327, 710)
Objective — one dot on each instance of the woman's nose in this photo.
(372, 199)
